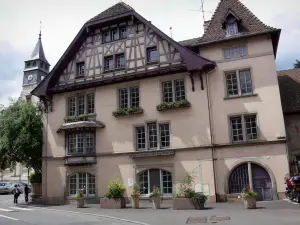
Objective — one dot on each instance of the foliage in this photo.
(127, 111)
(115, 189)
(173, 105)
(81, 193)
(297, 64)
(155, 192)
(136, 190)
(82, 117)
(21, 136)
(35, 178)
(248, 192)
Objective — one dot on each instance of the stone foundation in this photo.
(54, 200)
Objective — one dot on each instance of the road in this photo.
(11, 214)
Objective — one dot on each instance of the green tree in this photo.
(21, 136)
(297, 64)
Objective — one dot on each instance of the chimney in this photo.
(205, 25)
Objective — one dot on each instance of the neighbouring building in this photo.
(36, 68)
(126, 100)
(289, 85)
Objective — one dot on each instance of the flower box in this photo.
(173, 105)
(112, 203)
(187, 204)
(80, 202)
(127, 111)
(250, 202)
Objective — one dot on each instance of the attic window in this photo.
(232, 26)
(80, 69)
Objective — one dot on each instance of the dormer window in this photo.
(232, 28)
(80, 69)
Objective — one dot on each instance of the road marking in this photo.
(6, 210)
(20, 208)
(7, 217)
(90, 214)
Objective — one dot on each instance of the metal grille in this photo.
(72, 106)
(152, 134)
(91, 184)
(236, 129)
(90, 103)
(140, 138)
(123, 94)
(245, 82)
(239, 179)
(232, 84)
(144, 183)
(80, 100)
(134, 97)
(251, 127)
(164, 130)
(167, 91)
(179, 90)
(90, 142)
(167, 182)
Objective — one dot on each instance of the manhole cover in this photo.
(196, 220)
(219, 218)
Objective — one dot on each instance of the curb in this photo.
(91, 214)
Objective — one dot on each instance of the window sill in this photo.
(173, 105)
(83, 117)
(152, 62)
(240, 96)
(127, 112)
(245, 142)
(81, 155)
(114, 70)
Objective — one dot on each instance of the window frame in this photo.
(148, 49)
(110, 35)
(86, 107)
(173, 81)
(235, 26)
(78, 67)
(84, 135)
(244, 128)
(237, 74)
(86, 183)
(129, 96)
(239, 47)
(158, 136)
(114, 60)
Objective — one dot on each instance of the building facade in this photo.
(35, 69)
(127, 101)
(289, 85)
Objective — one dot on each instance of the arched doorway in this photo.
(150, 178)
(251, 175)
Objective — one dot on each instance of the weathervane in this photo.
(40, 35)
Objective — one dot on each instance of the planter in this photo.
(135, 201)
(198, 204)
(36, 189)
(113, 203)
(80, 202)
(156, 202)
(182, 204)
(249, 202)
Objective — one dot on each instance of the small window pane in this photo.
(80, 104)
(236, 129)
(251, 127)
(108, 63)
(140, 138)
(167, 91)
(235, 52)
(71, 143)
(245, 82)
(91, 184)
(80, 143)
(72, 106)
(243, 51)
(164, 130)
(232, 28)
(90, 103)
(82, 181)
(114, 35)
(73, 184)
(227, 54)
(143, 182)
(179, 90)
(123, 98)
(90, 142)
(232, 84)
(167, 182)
(120, 61)
(134, 97)
(152, 54)
(123, 32)
(152, 134)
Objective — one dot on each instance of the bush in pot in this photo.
(249, 197)
(80, 198)
(135, 196)
(155, 197)
(114, 198)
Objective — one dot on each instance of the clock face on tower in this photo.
(30, 77)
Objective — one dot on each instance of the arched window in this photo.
(82, 180)
(239, 179)
(151, 178)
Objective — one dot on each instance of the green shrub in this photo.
(115, 189)
(35, 178)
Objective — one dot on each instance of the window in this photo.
(123, 33)
(153, 136)
(238, 83)
(152, 55)
(108, 63)
(232, 28)
(173, 90)
(80, 143)
(129, 97)
(243, 128)
(106, 36)
(28, 98)
(151, 178)
(235, 52)
(114, 35)
(28, 64)
(80, 69)
(120, 61)
(84, 181)
(81, 104)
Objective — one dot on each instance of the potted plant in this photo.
(80, 198)
(155, 197)
(135, 196)
(249, 197)
(114, 198)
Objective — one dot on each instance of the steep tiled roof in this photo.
(249, 24)
(289, 84)
(115, 10)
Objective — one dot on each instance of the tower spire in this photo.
(40, 35)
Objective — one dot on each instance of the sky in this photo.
(62, 19)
